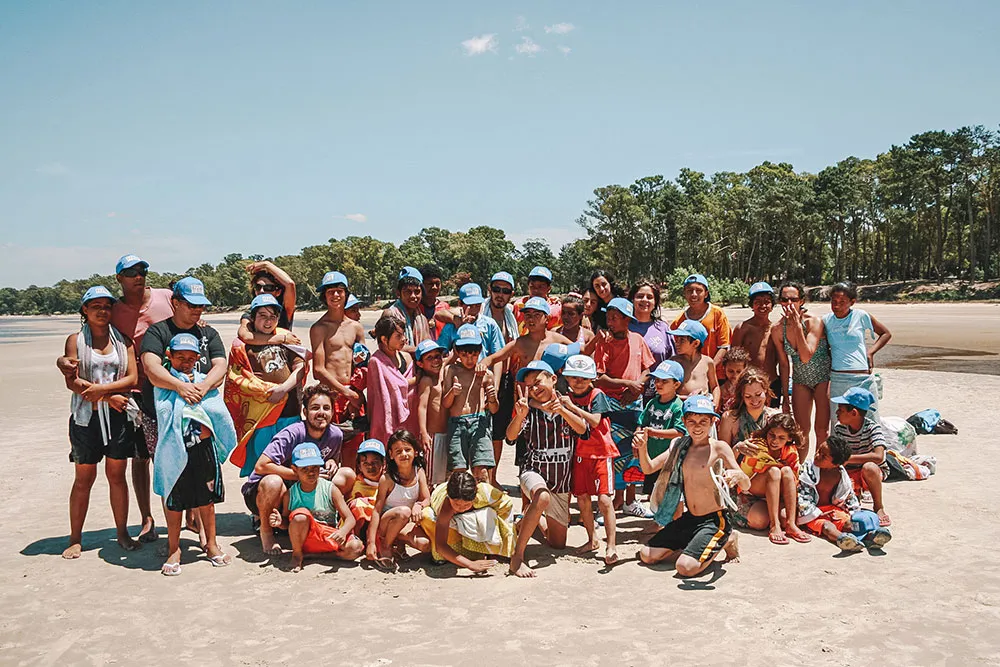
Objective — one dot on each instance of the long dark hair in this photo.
(385, 327)
(616, 291)
(418, 460)
(646, 282)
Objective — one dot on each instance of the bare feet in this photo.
(610, 556)
(520, 569)
(297, 562)
(148, 532)
(589, 547)
(269, 545)
(127, 543)
(732, 549)
(73, 551)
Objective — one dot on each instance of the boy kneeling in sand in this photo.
(312, 509)
(695, 536)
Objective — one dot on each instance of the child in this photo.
(572, 320)
(352, 308)
(592, 466)
(663, 417)
(529, 346)
(390, 381)
(827, 504)
(550, 433)
(867, 466)
(734, 363)
(470, 426)
(312, 508)
(361, 501)
(430, 418)
(771, 459)
(402, 496)
(695, 536)
(700, 376)
(712, 318)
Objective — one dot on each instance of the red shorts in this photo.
(859, 481)
(319, 539)
(592, 477)
(838, 517)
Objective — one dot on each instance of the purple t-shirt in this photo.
(280, 448)
(659, 342)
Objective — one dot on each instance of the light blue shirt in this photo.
(492, 336)
(847, 339)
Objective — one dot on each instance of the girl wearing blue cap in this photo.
(105, 373)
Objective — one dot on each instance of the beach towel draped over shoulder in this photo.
(389, 397)
(83, 410)
(171, 411)
(416, 328)
(669, 487)
(486, 529)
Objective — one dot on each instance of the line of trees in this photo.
(928, 209)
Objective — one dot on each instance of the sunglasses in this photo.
(501, 290)
(133, 271)
(265, 287)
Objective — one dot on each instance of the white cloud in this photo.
(112, 214)
(560, 28)
(475, 46)
(565, 50)
(521, 24)
(53, 169)
(355, 217)
(527, 47)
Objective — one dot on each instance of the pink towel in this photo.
(389, 397)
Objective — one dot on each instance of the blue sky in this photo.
(183, 131)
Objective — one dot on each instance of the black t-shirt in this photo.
(157, 340)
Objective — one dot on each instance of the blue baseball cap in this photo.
(306, 454)
(623, 306)
(536, 365)
(700, 404)
(580, 366)
(331, 278)
(262, 300)
(410, 272)
(470, 294)
(691, 329)
(97, 292)
(537, 303)
(128, 261)
(760, 288)
(192, 290)
(185, 342)
(502, 277)
(351, 302)
(468, 336)
(372, 446)
(701, 280)
(541, 272)
(360, 355)
(856, 397)
(425, 346)
(669, 370)
(556, 354)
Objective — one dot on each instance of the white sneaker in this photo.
(635, 508)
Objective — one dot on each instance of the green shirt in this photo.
(319, 501)
(663, 416)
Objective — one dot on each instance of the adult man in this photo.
(429, 301)
(267, 486)
(499, 308)
(540, 285)
(713, 318)
(408, 307)
(754, 335)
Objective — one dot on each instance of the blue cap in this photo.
(470, 294)
(580, 366)
(372, 446)
(96, 292)
(623, 306)
(700, 404)
(128, 261)
(760, 288)
(360, 355)
(191, 290)
(351, 302)
(185, 342)
(425, 346)
(410, 272)
(862, 399)
(700, 279)
(537, 303)
(262, 300)
(533, 366)
(503, 277)
(331, 278)
(691, 329)
(556, 354)
(468, 336)
(306, 454)
(669, 370)
(541, 272)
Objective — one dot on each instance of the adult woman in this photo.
(105, 374)
(801, 342)
(266, 278)
(590, 306)
(645, 298)
(603, 284)
(846, 327)
(750, 409)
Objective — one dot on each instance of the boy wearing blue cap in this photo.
(662, 419)
(409, 308)
(866, 467)
(471, 400)
(700, 309)
(689, 495)
(539, 287)
(700, 376)
(754, 334)
(315, 513)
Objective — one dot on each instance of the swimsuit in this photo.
(811, 374)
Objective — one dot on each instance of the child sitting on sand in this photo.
(771, 459)
(827, 504)
(312, 509)
(361, 500)
(431, 419)
(866, 467)
(402, 496)
(695, 531)
(700, 376)
(734, 363)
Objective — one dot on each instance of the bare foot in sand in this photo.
(520, 569)
(297, 562)
(269, 545)
(127, 543)
(588, 548)
(732, 550)
(148, 532)
(72, 552)
(610, 556)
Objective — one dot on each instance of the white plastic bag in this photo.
(900, 435)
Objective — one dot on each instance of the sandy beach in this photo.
(933, 597)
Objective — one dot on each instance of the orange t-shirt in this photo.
(623, 359)
(719, 332)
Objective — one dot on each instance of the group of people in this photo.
(397, 449)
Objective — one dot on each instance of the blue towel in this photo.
(171, 410)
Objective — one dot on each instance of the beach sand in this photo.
(933, 597)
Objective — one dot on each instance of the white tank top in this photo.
(103, 367)
(403, 496)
